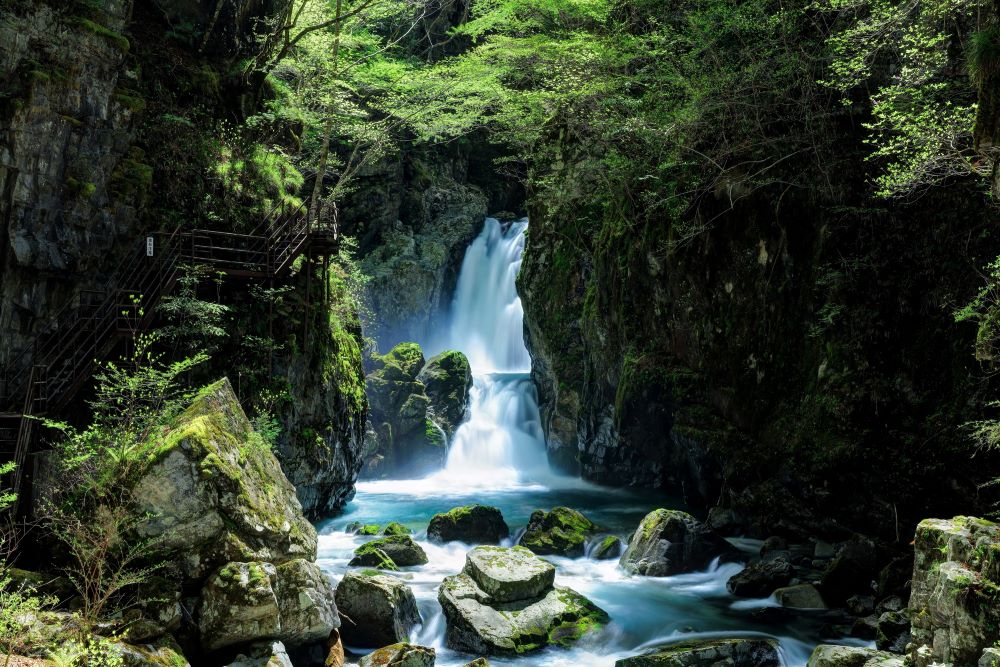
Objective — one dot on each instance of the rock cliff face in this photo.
(70, 180)
(766, 362)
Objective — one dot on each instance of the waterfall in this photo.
(501, 444)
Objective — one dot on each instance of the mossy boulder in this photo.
(400, 655)
(246, 602)
(164, 652)
(561, 532)
(395, 528)
(381, 609)
(608, 548)
(503, 624)
(447, 380)
(834, 655)
(405, 439)
(509, 574)
(263, 654)
(215, 493)
(401, 551)
(670, 542)
(737, 652)
(472, 524)
(955, 598)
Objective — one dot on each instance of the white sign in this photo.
(149, 246)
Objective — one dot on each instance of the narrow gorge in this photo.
(526, 333)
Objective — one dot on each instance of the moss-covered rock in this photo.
(608, 548)
(395, 528)
(833, 655)
(955, 598)
(561, 532)
(670, 541)
(400, 550)
(447, 380)
(246, 602)
(215, 493)
(480, 623)
(400, 655)
(381, 609)
(472, 524)
(710, 653)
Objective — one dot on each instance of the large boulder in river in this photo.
(760, 579)
(486, 615)
(447, 380)
(400, 550)
(561, 532)
(399, 655)
(472, 524)
(406, 439)
(381, 609)
(243, 602)
(214, 493)
(954, 601)
(670, 542)
(710, 653)
(834, 655)
(851, 571)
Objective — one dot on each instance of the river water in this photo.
(497, 457)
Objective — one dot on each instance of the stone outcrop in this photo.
(761, 578)
(831, 655)
(710, 653)
(244, 602)
(504, 603)
(381, 609)
(670, 542)
(400, 655)
(955, 600)
(389, 552)
(560, 532)
(472, 524)
(447, 380)
(415, 409)
(215, 493)
(267, 654)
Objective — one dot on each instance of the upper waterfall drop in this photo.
(487, 319)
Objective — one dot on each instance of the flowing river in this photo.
(497, 457)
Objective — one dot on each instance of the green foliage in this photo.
(115, 38)
(923, 114)
(19, 606)
(95, 651)
(193, 324)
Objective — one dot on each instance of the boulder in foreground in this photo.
(472, 524)
(381, 609)
(400, 655)
(561, 532)
(710, 653)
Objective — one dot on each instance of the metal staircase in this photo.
(46, 376)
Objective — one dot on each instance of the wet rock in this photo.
(271, 654)
(478, 662)
(479, 622)
(955, 562)
(893, 632)
(358, 528)
(710, 653)
(860, 605)
(382, 609)
(244, 602)
(400, 550)
(990, 658)
(561, 532)
(823, 550)
(472, 524)
(800, 596)
(832, 655)
(892, 603)
(609, 548)
(851, 571)
(395, 528)
(399, 655)
(507, 575)
(213, 494)
(447, 380)
(669, 542)
(761, 578)
(773, 543)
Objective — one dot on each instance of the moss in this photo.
(130, 101)
(80, 189)
(132, 178)
(115, 38)
(408, 357)
(395, 528)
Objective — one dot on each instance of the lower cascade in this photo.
(578, 606)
